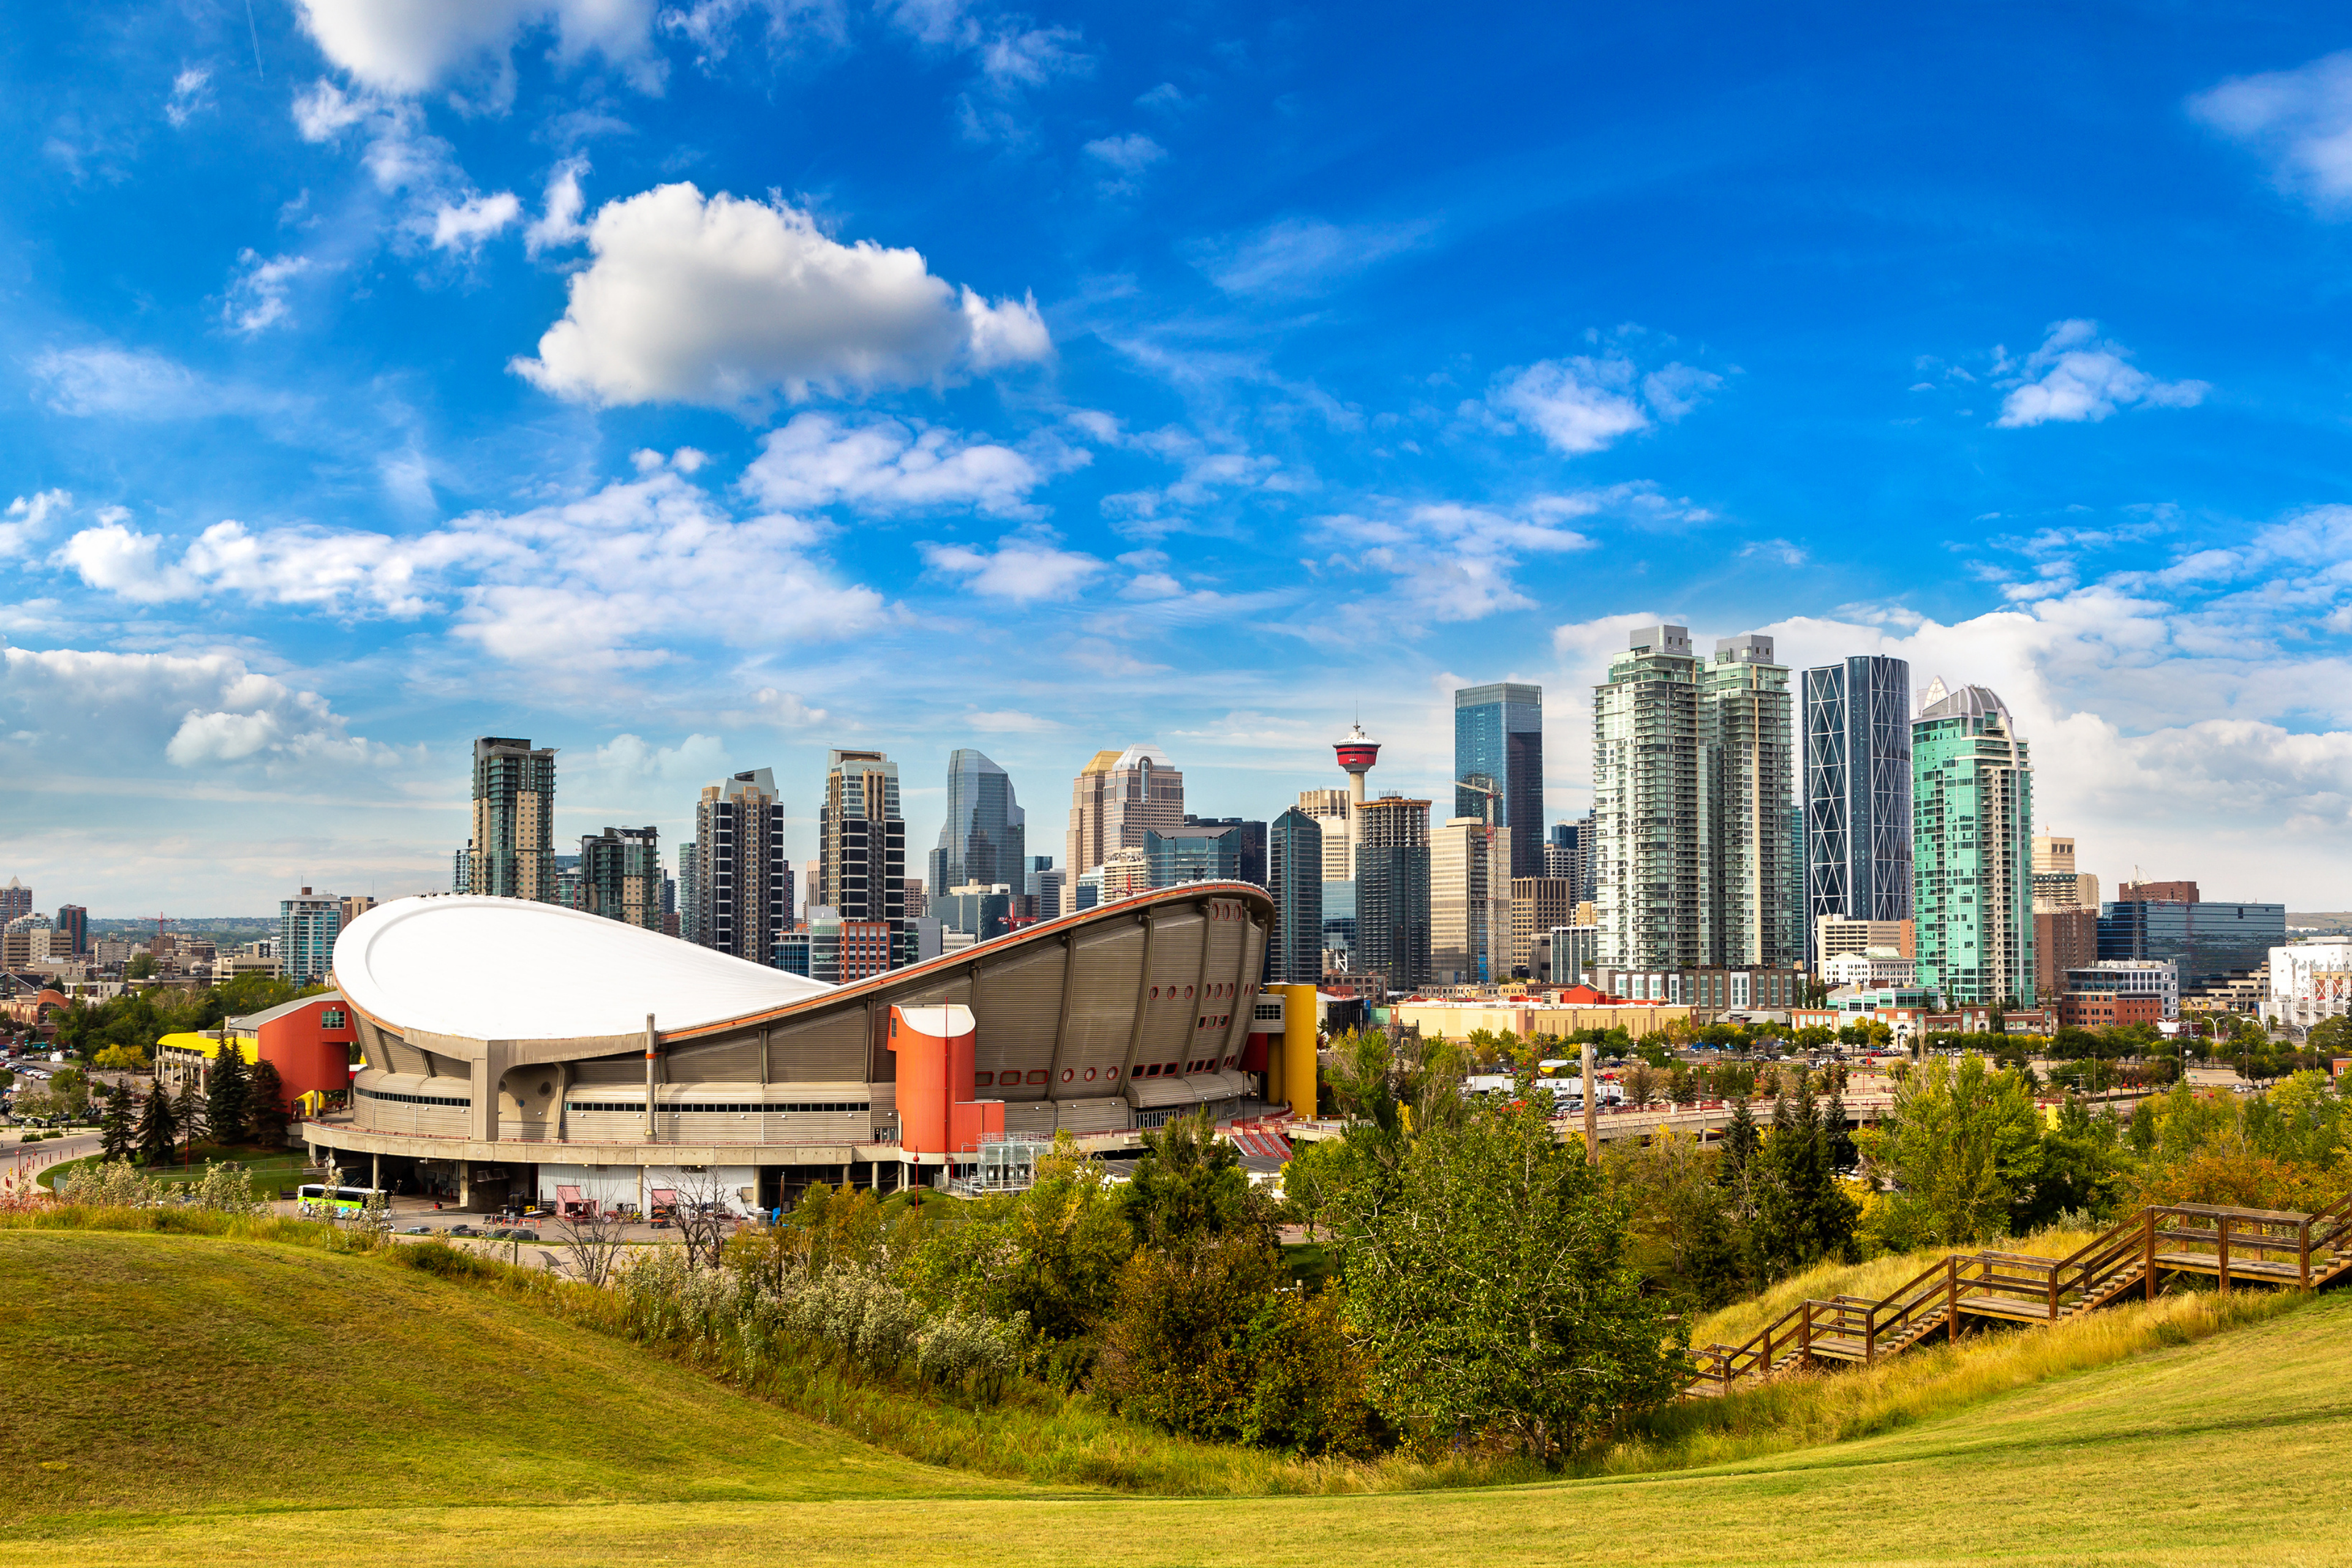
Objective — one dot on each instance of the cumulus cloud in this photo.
(574, 589)
(558, 223)
(28, 519)
(1124, 159)
(2299, 121)
(721, 301)
(463, 226)
(191, 710)
(409, 46)
(1587, 403)
(881, 465)
(2076, 375)
(440, 207)
(1018, 568)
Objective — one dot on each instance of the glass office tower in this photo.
(1857, 792)
(1498, 742)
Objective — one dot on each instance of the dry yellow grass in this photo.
(1742, 1320)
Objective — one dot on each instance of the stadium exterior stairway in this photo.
(2234, 1245)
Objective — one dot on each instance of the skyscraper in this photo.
(1498, 739)
(1691, 859)
(73, 920)
(689, 893)
(1646, 803)
(307, 925)
(985, 836)
(514, 821)
(1857, 792)
(1972, 849)
(1293, 858)
(621, 876)
(15, 899)
(1118, 798)
(1469, 903)
(1568, 857)
(1747, 905)
(862, 842)
(1392, 891)
(739, 885)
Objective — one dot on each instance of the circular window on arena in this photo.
(1155, 994)
(1188, 993)
(1067, 1075)
(1090, 1074)
(1112, 1072)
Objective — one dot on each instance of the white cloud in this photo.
(2300, 120)
(1296, 256)
(257, 297)
(189, 97)
(559, 221)
(1589, 403)
(190, 710)
(28, 519)
(2076, 375)
(409, 46)
(1125, 158)
(628, 760)
(135, 382)
(325, 111)
(1578, 405)
(463, 226)
(1206, 471)
(1453, 562)
(1019, 569)
(882, 466)
(720, 302)
(783, 710)
(710, 25)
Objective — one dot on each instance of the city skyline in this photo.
(1184, 391)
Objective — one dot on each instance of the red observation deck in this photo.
(1358, 751)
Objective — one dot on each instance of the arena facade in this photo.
(513, 1049)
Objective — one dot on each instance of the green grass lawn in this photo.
(271, 1169)
(225, 1403)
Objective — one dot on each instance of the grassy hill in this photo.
(225, 1402)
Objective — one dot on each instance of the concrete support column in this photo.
(375, 1172)
(464, 1183)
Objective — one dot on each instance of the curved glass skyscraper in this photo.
(1857, 792)
(985, 836)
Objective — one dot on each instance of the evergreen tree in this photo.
(1803, 1214)
(159, 1130)
(1840, 1141)
(1739, 1140)
(118, 1133)
(265, 1107)
(226, 1094)
(188, 1113)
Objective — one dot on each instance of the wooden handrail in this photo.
(2047, 1282)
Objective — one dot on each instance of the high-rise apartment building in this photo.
(514, 822)
(621, 876)
(1498, 742)
(15, 899)
(1045, 888)
(1972, 849)
(1748, 911)
(2057, 883)
(1857, 795)
(355, 905)
(1469, 903)
(1293, 859)
(1330, 809)
(73, 922)
(307, 926)
(862, 842)
(739, 885)
(1392, 935)
(985, 836)
(1118, 798)
(1691, 855)
(689, 894)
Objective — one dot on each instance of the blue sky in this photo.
(696, 387)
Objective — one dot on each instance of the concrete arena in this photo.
(511, 1047)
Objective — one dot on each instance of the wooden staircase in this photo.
(2234, 1245)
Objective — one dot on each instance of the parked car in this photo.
(463, 1230)
(512, 1233)
(418, 1230)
